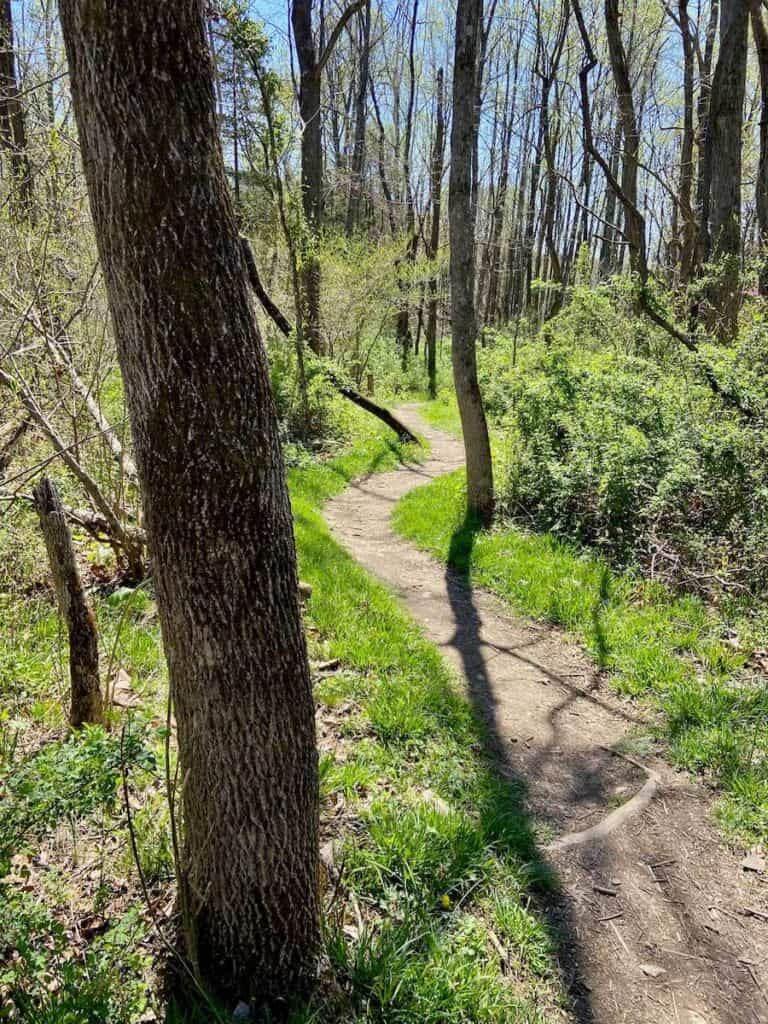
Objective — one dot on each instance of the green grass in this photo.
(664, 649)
(436, 851)
(443, 413)
(424, 875)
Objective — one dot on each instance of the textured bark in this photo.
(13, 135)
(85, 690)
(726, 121)
(311, 169)
(469, 20)
(216, 505)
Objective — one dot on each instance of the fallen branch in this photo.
(285, 327)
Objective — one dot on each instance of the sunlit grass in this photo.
(658, 647)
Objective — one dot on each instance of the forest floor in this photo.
(657, 917)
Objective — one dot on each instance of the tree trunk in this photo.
(217, 514)
(760, 33)
(403, 326)
(311, 170)
(13, 135)
(357, 170)
(607, 259)
(634, 228)
(469, 21)
(726, 118)
(436, 192)
(687, 254)
(85, 705)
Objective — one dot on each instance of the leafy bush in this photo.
(66, 780)
(44, 980)
(607, 448)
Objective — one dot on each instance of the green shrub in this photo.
(617, 451)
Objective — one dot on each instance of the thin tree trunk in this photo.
(687, 254)
(217, 513)
(86, 706)
(726, 124)
(13, 134)
(704, 178)
(469, 21)
(403, 329)
(436, 191)
(357, 169)
(760, 32)
(311, 171)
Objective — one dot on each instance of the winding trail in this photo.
(656, 918)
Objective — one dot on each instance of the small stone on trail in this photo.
(754, 862)
(652, 970)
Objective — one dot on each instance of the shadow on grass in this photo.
(511, 795)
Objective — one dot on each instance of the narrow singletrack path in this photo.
(656, 918)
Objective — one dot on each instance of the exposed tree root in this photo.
(616, 818)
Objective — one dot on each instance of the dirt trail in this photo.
(657, 918)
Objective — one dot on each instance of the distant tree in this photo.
(433, 242)
(13, 132)
(217, 514)
(760, 32)
(726, 119)
(311, 65)
(469, 23)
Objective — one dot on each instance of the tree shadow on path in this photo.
(516, 836)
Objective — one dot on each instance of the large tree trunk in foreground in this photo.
(85, 704)
(469, 19)
(216, 505)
